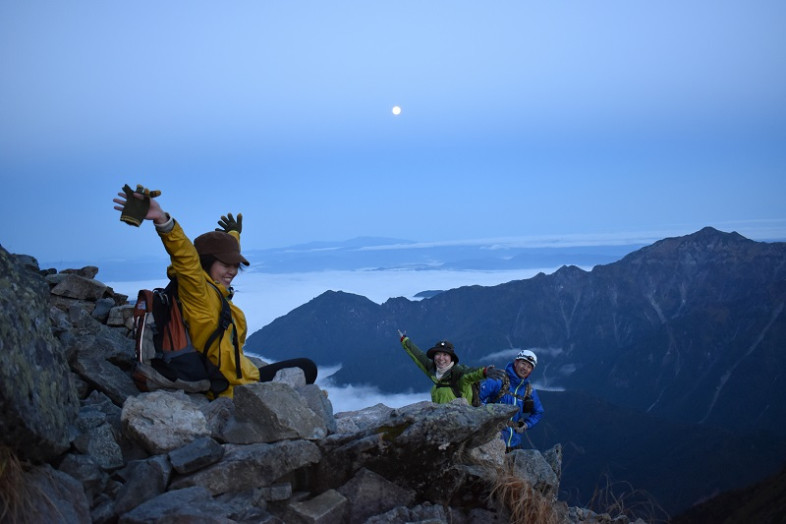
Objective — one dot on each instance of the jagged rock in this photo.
(276, 492)
(54, 496)
(85, 272)
(292, 377)
(492, 453)
(105, 376)
(554, 458)
(252, 465)
(172, 457)
(530, 465)
(99, 443)
(196, 455)
(269, 412)
(80, 288)
(398, 447)
(162, 421)
(145, 479)
(102, 309)
(80, 315)
(317, 400)
(422, 513)
(100, 403)
(325, 508)
(37, 397)
(218, 414)
(121, 316)
(59, 321)
(355, 421)
(84, 469)
(248, 506)
(193, 504)
(369, 494)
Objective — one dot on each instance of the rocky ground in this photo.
(81, 444)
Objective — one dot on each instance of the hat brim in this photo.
(232, 258)
(433, 351)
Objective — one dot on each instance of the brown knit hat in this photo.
(443, 346)
(221, 245)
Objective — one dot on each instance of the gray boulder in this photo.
(38, 399)
(274, 453)
(161, 421)
(272, 411)
(194, 504)
(252, 465)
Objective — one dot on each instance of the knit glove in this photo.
(135, 209)
(492, 372)
(228, 223)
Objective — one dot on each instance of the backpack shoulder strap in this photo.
(224, 321)
(143, 307)
(503, 390)
(454, 382)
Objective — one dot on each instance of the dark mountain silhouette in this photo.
(762, 503)
(612, 452)
(689, 330)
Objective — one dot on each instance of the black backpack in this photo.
(166, 358)
(475, 400)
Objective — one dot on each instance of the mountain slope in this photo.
(627, 455)
(691, 328)
(672, 359)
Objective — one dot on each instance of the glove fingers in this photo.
(135, 208)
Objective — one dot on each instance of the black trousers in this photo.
(266, 373)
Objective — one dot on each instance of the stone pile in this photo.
(89, 447)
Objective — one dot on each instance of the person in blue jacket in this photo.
(518, 391)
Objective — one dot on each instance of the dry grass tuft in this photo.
(13, 493)
(620, 498)
(523, 503)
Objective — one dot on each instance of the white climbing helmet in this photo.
(529, 356)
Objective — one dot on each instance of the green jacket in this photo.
(461, 375)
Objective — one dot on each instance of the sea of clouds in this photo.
(263, 297)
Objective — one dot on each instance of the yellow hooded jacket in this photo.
(201, 308)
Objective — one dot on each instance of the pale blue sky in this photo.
(518, 119)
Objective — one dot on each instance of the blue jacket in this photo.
(489, 389)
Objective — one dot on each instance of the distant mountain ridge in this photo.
(666, 329)
(381, 254)
(688, 333)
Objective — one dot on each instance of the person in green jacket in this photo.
(440, 363)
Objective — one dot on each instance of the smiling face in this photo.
(223, 273)
(522, 367)
(442, 359)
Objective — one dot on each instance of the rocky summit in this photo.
(80, 443)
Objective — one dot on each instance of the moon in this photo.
(396, 110)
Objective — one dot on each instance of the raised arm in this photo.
(417, 356)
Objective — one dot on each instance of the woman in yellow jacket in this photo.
(204, 271)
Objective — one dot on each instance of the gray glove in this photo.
(521, 427)
(495, 373)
